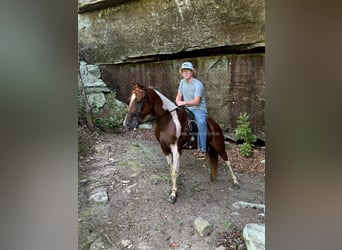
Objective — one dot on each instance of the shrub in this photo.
(111, 116)
(244, 132)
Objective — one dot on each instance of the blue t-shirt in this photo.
(192, 89)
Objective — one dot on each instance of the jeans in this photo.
(201, 119)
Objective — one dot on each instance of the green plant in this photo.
(106, 123)
(244, 132)
(166, 179)
(110, 116)
(195, 188)
(245, 149)
(228, 224)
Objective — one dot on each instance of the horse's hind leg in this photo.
(223, 154)
(235, 181)
(213, 163)
(216, 141)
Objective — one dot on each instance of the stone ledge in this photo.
(91, 5)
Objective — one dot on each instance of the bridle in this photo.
(142, 103)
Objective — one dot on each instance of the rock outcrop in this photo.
(134, 30)
(146, 41)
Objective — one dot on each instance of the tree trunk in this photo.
(86, 104)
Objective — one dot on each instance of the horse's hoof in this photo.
(236, 185)
(172, 199)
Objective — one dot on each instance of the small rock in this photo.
(261, 215)
(220, 248)
(243, 204)
(145, 126)
(263, 161)
(126, 243)
(99, 195)
(236, 213)
(83, 181)
(202, 227)
(97, 244)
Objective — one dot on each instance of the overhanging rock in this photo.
(140, 29)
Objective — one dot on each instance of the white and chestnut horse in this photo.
(172, 131)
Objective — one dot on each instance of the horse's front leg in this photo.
(174, 173)
(169, 159)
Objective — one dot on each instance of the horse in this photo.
(172, 131)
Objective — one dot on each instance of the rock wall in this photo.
(233, 84)
(147, 40)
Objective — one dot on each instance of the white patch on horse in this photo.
(174, 168)
(131, 101)
(170, 106)
(129, 106)
(178, 125)
(175, 156)
(167, 103)
(169, 159)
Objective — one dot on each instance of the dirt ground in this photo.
(137, 215)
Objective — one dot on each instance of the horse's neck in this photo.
(167, 104)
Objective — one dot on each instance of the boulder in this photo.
(90, 75)
(97, 100)
(254, 235)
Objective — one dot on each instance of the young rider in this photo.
(191, 94)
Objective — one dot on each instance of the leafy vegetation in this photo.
(244, 132)
(108, 118)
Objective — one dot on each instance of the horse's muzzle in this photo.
(131, 125)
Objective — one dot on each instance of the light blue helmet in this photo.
(187, 65)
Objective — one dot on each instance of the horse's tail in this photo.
(216, 139)
(213, 162)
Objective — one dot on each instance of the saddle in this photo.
(191, 128)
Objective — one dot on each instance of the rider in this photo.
(191, 90)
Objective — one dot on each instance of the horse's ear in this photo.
(139, 86)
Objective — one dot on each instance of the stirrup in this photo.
(201, 155)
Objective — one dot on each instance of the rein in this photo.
(158, 117)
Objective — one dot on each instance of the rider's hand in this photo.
(181, 103)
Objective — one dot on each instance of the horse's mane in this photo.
(169, 105)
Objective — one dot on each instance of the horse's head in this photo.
(138, 107)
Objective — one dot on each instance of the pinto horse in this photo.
(172, 131)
